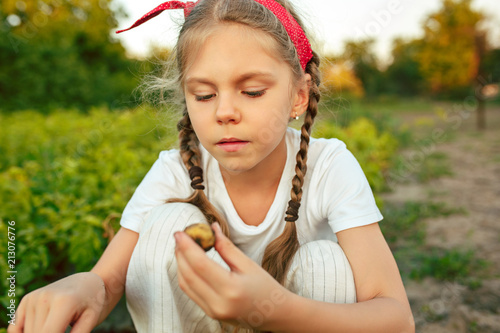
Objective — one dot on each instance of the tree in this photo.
(403, 75)
(362, 59)
(447, 57)
(59, 53)
(338, 77)
(491, 65)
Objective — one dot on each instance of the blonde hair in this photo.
(202, 21)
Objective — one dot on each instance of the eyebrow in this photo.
(243, 77)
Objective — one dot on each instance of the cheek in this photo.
(270, 129)
(199, 124)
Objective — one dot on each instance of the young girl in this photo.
(280, 202)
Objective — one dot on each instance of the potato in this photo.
(202, 234)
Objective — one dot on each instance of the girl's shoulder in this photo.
(320, 149)
(170, 156)
(335, 187)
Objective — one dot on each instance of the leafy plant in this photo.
(61, 175)
(373, 149)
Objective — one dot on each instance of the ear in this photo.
(301, 98)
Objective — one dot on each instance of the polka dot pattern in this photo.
(187, 6)
(293, 29)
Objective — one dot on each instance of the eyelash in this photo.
(251, 94)
(204, 98)
(254, 94)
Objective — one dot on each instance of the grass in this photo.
(405, 230)
(435, 165)
(405, 223)
(420, 164)
(386, 105)
(447, 265)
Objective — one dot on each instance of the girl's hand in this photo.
(246, 295)
(77, 299)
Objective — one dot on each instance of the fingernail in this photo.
(177, 236)
(217, 226)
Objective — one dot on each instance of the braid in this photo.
(191, 156)
(188, 141)
(279, 253)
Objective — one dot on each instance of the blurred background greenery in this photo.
(75, 139)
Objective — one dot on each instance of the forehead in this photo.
(231, 48)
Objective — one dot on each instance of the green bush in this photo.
(61, 176)
(63, 55)
(373, 149)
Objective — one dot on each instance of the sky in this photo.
(330, 21)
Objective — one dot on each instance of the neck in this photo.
(267, 174)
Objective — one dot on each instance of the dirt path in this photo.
(475, 187)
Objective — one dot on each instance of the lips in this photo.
(230, 140)
(232, 145)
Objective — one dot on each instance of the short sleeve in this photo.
(166, 179)
(346, 198)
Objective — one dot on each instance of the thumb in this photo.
(234, 257)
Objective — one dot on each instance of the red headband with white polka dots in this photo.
(293, 29)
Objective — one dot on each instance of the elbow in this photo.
(411, 326)
(408, 324)
(403, 319)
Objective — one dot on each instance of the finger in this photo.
(86, 322)
(234, 257)
(42, 309)
(59, 317)
(193, 285)
(19, 318)
(30, 315)
(198, 260)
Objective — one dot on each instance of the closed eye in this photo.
(254, 94)
(204, 98)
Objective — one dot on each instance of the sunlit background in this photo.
(331, 21)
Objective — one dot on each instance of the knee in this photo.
(321, 252)
(172, 217)
(320, 270)
(155, 248)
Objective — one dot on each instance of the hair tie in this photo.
(293, 211)
(196, 172)
(294, 30)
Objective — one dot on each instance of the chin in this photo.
(235, 168)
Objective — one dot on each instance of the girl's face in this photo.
(240, 98)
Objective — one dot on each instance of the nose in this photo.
(227, 111)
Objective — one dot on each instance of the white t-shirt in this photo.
(336, 195)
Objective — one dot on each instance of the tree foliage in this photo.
(403, 76)
(446, 61)
(491, 66)
(60, 53)
(338, 76)
(361, 56)
(447, 57)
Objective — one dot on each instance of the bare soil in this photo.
(474, 158)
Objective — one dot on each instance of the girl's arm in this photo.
(247, 292)
(382, 302)
(83, 299)
(112, 267)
